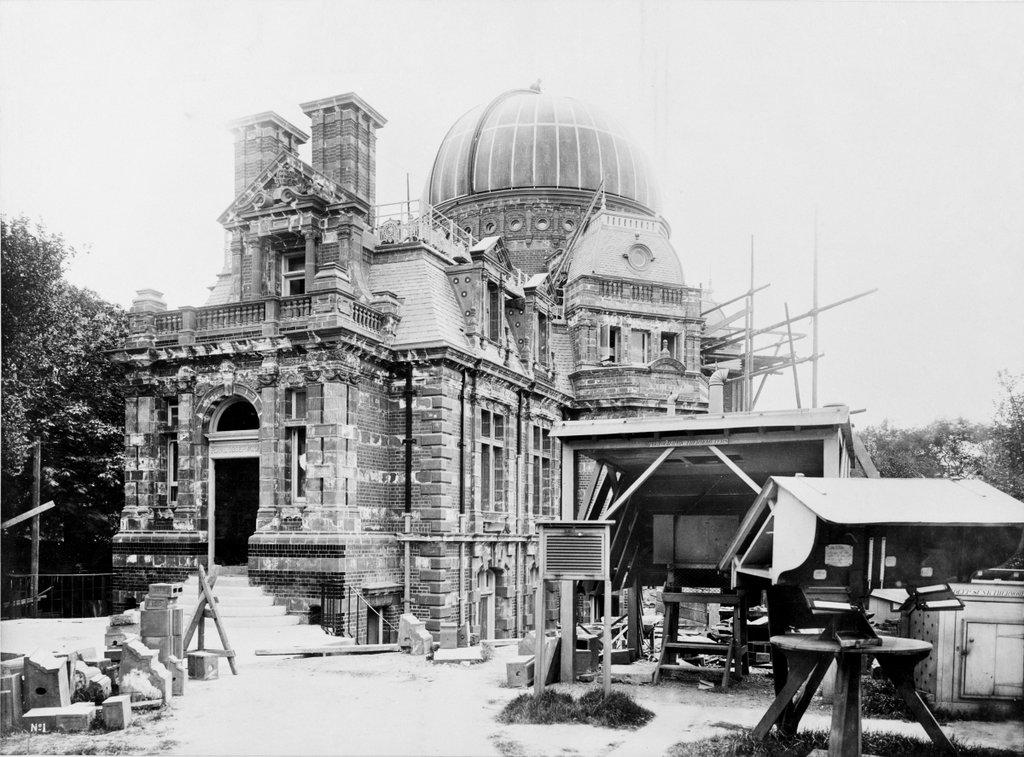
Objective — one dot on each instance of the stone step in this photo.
(225, 591)
(245, 611)
(193, 581)
(233, 600)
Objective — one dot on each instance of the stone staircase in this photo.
(238, 602)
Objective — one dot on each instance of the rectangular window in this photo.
(611, 344)
(297, 462)
(492, 460)
(295, 404)
(293, 275)
(172, 413)
(493, 313)
(172, 472)
(640, 346)
(542, 339)
(541, 452)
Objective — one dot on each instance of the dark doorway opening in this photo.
(236, 499)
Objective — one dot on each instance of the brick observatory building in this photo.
(365, 400)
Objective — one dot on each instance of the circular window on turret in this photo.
(543, 223)
(489, 227)
(515, 224)
(568, 224)
(639, 257)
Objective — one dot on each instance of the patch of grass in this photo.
(876, 743)
(878, 699)
(618, 710)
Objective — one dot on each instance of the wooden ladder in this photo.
(207, 608)
(735, 651)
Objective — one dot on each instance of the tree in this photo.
(942, 449)
(60, 386)
(960, 449)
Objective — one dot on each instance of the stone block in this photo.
(128, 618)
(468, 654)
(519, 671)
(408, 625)
(462, 635)
(172, 591)
(203, 666)
(155, 623)
(162, 645)
(179, 673)
(138, 657)
(113, 654)
(41, 720)
(157, 603)
(177, 621)
(46, 682)
(449, 636)
(10, 703)
(76, 717)
(423, 642)
(117, 712)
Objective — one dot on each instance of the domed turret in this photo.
(525, 139)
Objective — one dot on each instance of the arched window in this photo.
(236, 414)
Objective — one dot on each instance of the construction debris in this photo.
(329, 651)
(413, 636)
(46, 682)
(460, 654)
(203, 666)
(117, 712)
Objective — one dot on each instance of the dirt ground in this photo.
(396, 704)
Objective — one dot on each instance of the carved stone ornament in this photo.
(227, 375)
(268, 372)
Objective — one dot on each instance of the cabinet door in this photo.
(994, 664)
(1009, 677)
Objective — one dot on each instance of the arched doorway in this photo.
(234, 480)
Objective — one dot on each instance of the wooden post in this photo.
(36, 478)
(567, 599)
(634, 629)
(538, 631)
(607, 663)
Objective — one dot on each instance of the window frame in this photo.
(296, 276)
(172, 464)
(297, 463)
(492, 461)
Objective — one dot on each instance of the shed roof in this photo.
(903, 500)
(834, 415)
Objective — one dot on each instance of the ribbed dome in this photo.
(526, 139)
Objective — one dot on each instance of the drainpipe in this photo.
(462, 448)
(716, 392)
(408, 439)
(462, 499)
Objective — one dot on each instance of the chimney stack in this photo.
(345, 142)
(258, 141)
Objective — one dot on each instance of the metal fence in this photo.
(335, 607)
(61, 595)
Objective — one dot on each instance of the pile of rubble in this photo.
(143, 665)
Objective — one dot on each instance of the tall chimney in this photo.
(258, 141)
(345, 142)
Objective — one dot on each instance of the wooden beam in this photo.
(734, 468)
(26, 515)
(649, 441)
(639, 481)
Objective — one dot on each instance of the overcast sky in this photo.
(900, 124)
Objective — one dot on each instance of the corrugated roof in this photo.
(429, 312)
(903, 500)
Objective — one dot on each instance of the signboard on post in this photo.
(573, 550)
